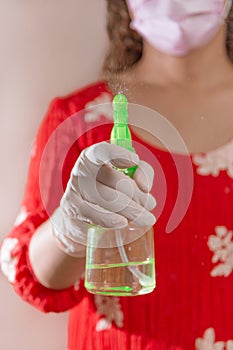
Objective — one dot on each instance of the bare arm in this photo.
(51, 266)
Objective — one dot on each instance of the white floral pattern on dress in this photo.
(208, 342)
(8, 263)
(229, 345)
(211, 163)
(77, 285)
(110, 308)
(100, 106)
(22, 216)
(33, 149)
(221, 245)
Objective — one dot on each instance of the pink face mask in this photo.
(177, 27)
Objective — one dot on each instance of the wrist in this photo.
(68, 247)
(62, 238)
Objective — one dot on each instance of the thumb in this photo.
(105, 153)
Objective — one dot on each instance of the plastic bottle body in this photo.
(120, 262)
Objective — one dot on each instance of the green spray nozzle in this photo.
(120, 109)
(120, 134)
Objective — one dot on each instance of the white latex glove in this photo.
(97, 193)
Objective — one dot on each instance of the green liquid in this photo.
(121, 279)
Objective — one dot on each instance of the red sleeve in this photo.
(40, 199)
(60, 139)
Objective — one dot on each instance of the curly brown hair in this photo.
(125, 47)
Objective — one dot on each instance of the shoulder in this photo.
(89, 107)
(94, 93)
(85, 111)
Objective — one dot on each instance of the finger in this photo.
(144, 176)
(77, 208)
(123, 191)
(104, 153)
(84, 178)
(118, 202)
(122, 183)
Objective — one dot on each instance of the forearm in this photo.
(51, 266)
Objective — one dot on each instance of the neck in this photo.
(204, 67)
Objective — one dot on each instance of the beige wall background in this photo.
(48, 48)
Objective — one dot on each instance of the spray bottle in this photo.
(125, 268)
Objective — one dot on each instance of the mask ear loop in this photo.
(227, 9)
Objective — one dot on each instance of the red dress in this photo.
(192, 305)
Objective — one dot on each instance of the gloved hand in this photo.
(98, 194)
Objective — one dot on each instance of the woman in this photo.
(181, 67)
